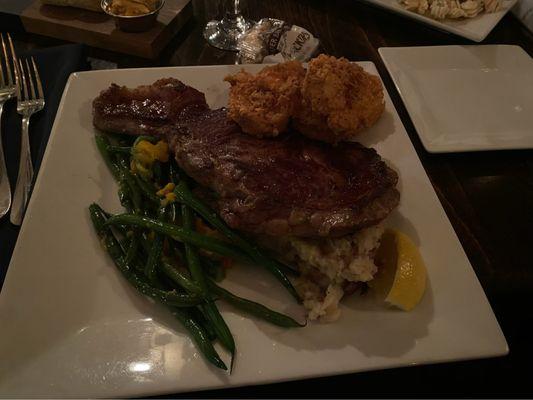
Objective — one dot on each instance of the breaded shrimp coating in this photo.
(263, 104)
(339, 99)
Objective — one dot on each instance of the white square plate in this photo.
(466, 98)
(475, 29)
(71, 325)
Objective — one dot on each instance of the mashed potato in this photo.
(328, 265)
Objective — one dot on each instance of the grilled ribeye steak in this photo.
(288, 185)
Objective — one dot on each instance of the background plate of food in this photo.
(78, 328)
(472, 19)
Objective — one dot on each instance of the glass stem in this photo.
(234, 13)
(233, 18)
(225, 33)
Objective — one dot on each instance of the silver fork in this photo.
(29, 102)
(8, 89)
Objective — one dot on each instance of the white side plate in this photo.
(72, 326)
(475, 29)
(466, 98)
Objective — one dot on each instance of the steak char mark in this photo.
(288, 185)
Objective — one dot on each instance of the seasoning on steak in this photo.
(288, 185)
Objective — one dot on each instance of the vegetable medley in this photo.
(172, 247)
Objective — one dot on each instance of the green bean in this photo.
(173, 214)
(132, 248)
(193, 261)
(200, 332)
(184, 195)
(173, 172)
(201, 338)
(154, 255)
(253, 308)
(116, 169)
(180, 234)
(176, 276)
(147, 189)
(127, 178)
(102, 143)
(220, 327)
(125, 198)
(124, 243)
(158, 172)
(170, 270)
(197, 314)
(120, 149)
(115, 251)
(209, 309)
(215, 270)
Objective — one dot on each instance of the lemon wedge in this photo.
(401, 278)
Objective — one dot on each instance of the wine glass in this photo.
(225, 33)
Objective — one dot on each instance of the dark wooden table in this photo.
(488, 196)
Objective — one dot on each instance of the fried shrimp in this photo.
(339, 99)
(263, 104)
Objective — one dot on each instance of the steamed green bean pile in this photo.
(156, 246)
